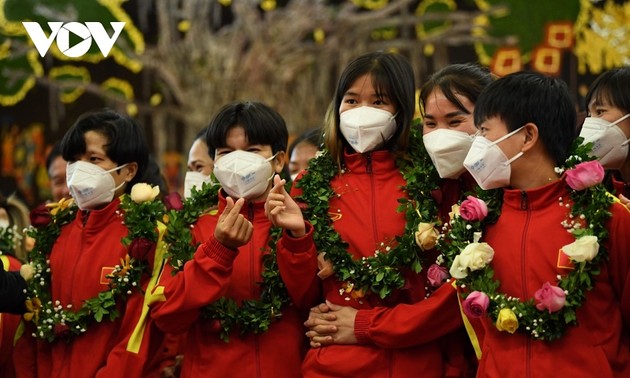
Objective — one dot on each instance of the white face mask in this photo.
(194, 179)
(244, 174)
(91, 185)
(487, 163)
(448, 149)
(610, 144)
(367, 128)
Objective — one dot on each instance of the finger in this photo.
(278, 185)
(324, 307)
(322, 340)
(235, 213)
(229, 204)
(332, 306)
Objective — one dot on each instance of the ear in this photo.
(132, 170)
(531, 136)
(280, 161)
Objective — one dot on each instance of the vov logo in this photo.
(61, 33)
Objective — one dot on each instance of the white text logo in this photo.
(61, 32)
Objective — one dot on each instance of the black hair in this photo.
(126, 140)
(52, 155)
(612, 87)
(392, 75)
(311, 136)
(467, 80)
(524, 97)
(262, 124)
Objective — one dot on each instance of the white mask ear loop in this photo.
(507, 136)
(620, 119)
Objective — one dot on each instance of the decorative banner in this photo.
(547, 60)
(559, 34)
(506, 60)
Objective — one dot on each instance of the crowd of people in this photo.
(486, 237)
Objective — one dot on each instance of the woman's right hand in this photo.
(233, 229)
(283, 211)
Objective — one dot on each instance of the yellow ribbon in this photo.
(469, 328)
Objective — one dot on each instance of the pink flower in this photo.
(173, 201)
(473, 209)
(476, 304)
(585, 175)
(436, 275)
(550, 298)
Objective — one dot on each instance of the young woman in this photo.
(84, 327)
(229, 297)
(608, 127)
(368, 257)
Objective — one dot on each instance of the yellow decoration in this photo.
(422, 10)
(156, 99)
(268, 5)
(132, 109)
(225, 3)
(33, 59)
(547, 60)
(119, 87)
(370, 4)
(319, 35)
(601, 36)
(429, 49)
(80, 76)
(183, 26)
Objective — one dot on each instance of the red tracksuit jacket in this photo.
(8, 326)
(79, 258)
(390, 344)
(216, 271)
(527, 240)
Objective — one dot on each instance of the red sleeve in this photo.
(297, 262)
(619, 252)
(406, 325)
(203, 280)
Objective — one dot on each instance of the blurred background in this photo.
(177, 62)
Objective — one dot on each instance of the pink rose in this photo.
(173, 201)
(585, 175)
(436, 275)
(476, 304)
(473, 209)
(550, 297)
(141, 248)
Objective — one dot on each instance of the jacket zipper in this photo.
(525, 206)
(368, 169)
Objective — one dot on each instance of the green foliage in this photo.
(381, 273)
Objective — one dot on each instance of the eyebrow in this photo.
(448, 115)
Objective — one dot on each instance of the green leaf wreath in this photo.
(587, 216)
(53, 320)
(251, 316)
(381, 273)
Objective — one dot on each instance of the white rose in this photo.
(582, 249)
(142, 192)
(457, 269)
(476, 256)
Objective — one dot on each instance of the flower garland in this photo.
(52, 319)
(381, 273)
(9, 238)
(554, 307)
(253, 316)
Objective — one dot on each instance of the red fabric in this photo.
(216, 271)
(527, 240)
(86, 246)
(8, 326)
(364, 214)
(619, 186)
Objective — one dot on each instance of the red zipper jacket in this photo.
(364, 214)
(8, 324)
(84, 252)
(216, 271)
(527, 240)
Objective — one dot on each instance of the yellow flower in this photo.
(506, 321)
(454, 212)
(426, 236)
(33, 306)
(142, 192)
(27, 272)
(56, 207)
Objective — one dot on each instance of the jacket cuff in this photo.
(362, 325)
(218, 252)
(298, 245)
